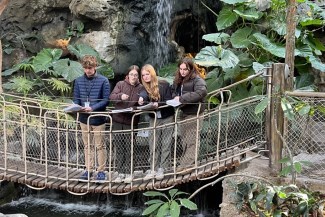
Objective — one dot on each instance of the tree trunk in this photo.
(290, 40)
(3, 5)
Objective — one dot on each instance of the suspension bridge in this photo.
(41, 146)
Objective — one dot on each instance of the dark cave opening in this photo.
(188, 34)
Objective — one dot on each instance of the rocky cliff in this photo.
(124, 32)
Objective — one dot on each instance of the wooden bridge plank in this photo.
(13, 176)
(65, 185)
(99, 187)
(107, 187)
(114, 187)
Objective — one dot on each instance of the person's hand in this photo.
(87, 109)
(176, 98)
(124, 97)
(140, 101)
(155, 104)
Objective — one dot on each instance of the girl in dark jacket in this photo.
(190, 90)
(125, 95)
(158, 92)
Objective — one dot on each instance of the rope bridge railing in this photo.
(40, 142)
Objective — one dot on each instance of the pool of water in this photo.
(52, 203)
(49, 207)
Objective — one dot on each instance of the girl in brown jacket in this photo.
(125, 95)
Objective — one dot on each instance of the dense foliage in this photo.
(252, 35)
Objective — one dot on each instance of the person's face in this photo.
(133, 76)
(183, 70)
(89, 71)
(146, 77)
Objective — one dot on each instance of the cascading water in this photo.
(163, 10)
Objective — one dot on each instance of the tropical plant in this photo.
(48, 73)
(257, 199)
(252, 36)
(170, 206)
(76, 29)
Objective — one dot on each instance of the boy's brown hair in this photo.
(88, 61)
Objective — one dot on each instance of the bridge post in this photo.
(276, 119)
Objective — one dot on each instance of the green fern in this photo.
(22, 85)
(59, 85)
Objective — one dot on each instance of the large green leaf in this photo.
(81, 50)
(44, 59)
(279, 26)
(105, 70)
(232, 73)
(303, 51)
(10, 71)
(304, 80)
(316, 63)
(251, 14)
(275, 49)
(217, 38)
(213, 80)
(68, 69)
(240, 38)
(258, 67)
(244, 60)
(226, 18)
(314, 43)
(216, 56)
(239, 92)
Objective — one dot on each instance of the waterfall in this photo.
(160, 50)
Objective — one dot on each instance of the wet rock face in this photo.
(122, 31)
